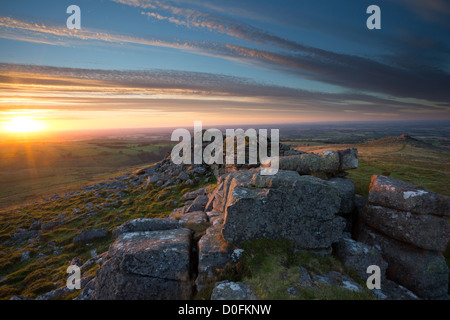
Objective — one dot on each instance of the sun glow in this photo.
(23, 125)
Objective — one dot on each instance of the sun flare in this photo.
(23, 125)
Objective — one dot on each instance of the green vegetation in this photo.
(410, 161)
(427, 167)
(34, 170)
(50, 254)
(271, 267)
(31, 171)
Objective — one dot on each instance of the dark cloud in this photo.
(431, 10)
(159, 88)
(405, 73)
(400, 74)
(354, 72)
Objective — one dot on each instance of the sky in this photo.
(144, 63)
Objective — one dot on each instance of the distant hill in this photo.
(404, 138)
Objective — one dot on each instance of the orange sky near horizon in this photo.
(53, 121)
(57, 100)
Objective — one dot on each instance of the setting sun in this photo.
(23, 125)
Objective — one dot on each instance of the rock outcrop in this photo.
(359, 256)
(283, 206)
(403, 230)
(146, 264)
(407, 224)
(214, 254)
(226, 290)
(329, 162)
(90, 235)
(403, 196)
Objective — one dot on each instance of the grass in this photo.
(270, 267)
(428, 168)
(45, 272)
(34, 170)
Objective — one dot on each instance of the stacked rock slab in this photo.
(213, 255)
(150, 259)
(329, 162)
(409, 225)
(282, 206)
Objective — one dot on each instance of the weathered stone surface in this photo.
(348, 159)
(178, 212)
(143, 252)
(76, 262)
(252, 178)
(333, 278)
(421, 271)
(90, 235)
(183, 176)
(330, 162)
(227, 290)
(346, 191)
(25, 255)
(423, 231)
(193, 194)
(156, 177)
(215, 217)
(20, 298)
(87, 292)
(35, 226)
(215, 199)
(400, 195)
(50, 225)
(358, 256)
(147, 170)
(198, 204)
(285, 205)
(25, 235)
(213, 254)
(304, 279)
(146, 224)
(62, 292)
(195, 217)
(147, 265)
(393, 291)
(308, 163)
(132, 287)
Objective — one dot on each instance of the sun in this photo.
(23, 125)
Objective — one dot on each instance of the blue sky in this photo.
(143, 62)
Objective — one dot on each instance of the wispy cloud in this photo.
(395, 77)
(176, 91)
(35, 32)
(350, 72)
(214, 22)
